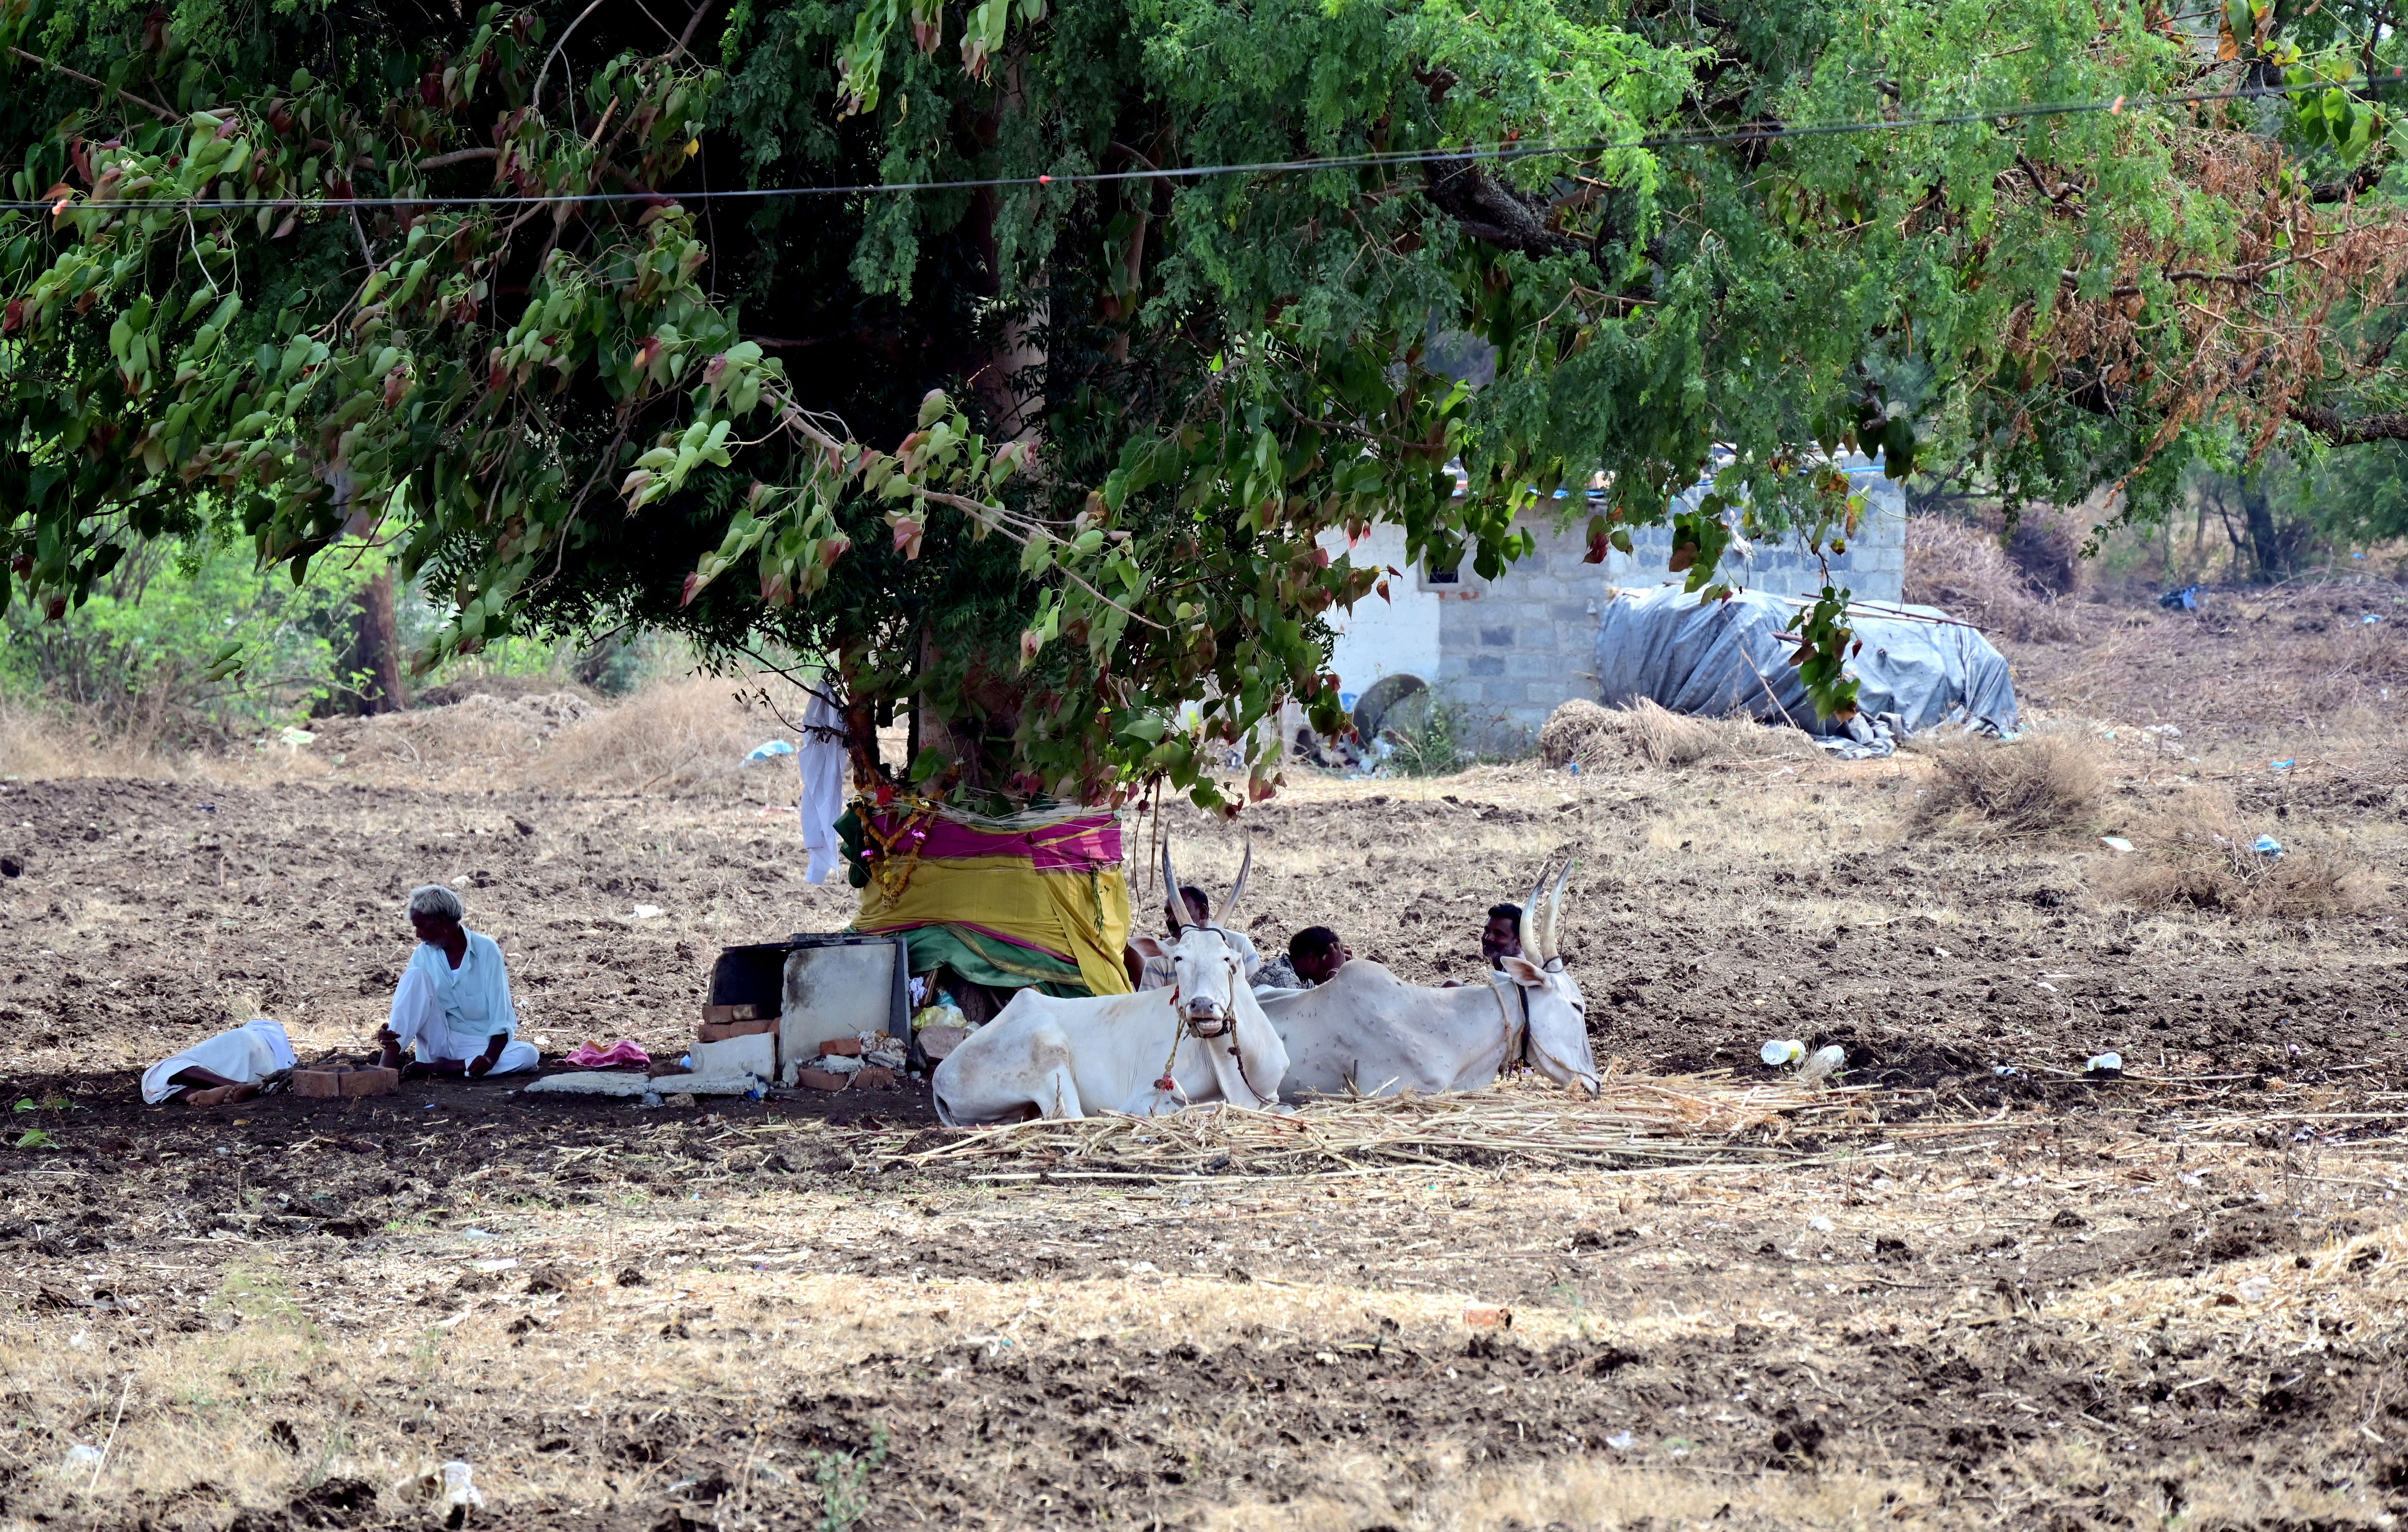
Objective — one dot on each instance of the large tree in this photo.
(1028, 391)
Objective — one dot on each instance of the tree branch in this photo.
(2328, 423)
(2360, 180)
(1493, 213)
(162, 113)
(457, 156)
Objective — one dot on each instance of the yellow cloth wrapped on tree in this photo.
(1058, 890)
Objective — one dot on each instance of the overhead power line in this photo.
(1493, 153)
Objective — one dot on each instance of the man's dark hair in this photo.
(1199, 904)
(1505, 913)
(1312, 941)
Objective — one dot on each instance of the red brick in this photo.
(319, 1084)
(372, 1081)
(820, 1080)
(841, 1048)
(722, 1031)
(869, 1077)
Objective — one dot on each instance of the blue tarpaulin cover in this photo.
(1919, 665)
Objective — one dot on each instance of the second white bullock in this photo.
(1202, 1037)
(1367, 1032)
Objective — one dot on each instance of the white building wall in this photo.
(1395, 636)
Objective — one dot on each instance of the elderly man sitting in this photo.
(454, 1006)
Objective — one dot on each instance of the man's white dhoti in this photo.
(246, 1055)
(419, 1022)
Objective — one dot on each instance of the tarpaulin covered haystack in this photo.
(1030, 899)
(1918, 668)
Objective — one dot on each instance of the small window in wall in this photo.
(1451, 575)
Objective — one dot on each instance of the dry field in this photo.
(1935, 1295)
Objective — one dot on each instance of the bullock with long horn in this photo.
(1202, 1036)
(1368, 1032)
(1183, 905)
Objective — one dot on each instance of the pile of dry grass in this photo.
(2211, 866)
(1963, 570)
(676, 737)
(2041, 785)
(1582, 731)
(489, 733)
(39, 740)
(1634, 1120)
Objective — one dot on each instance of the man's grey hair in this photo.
(435, 899)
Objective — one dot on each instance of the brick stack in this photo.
(335, 1082)
(737, 1039)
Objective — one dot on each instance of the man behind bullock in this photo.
(1314, 955)
(452, 1005)
(1499, 939)
(1157, 971)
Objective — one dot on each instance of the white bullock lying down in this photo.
(1202, 1038)
(1368, 1032)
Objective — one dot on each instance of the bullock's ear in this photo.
(1149, 947)
(1526, 973)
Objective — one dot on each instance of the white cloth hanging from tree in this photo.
(820, 762)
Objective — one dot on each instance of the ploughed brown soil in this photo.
(2035, 1298)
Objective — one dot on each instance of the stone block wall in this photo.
(1512, 649)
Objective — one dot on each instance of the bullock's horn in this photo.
(1533, 927)
(1555, 911)
(1238, 890)
(1173, 902)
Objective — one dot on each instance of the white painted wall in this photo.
(1378, 638)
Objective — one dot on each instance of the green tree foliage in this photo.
(145, 653)
(1044, 459)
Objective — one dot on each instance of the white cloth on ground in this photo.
(820, 762)
(447, 1014)
(1159, 969)
(247, 1055)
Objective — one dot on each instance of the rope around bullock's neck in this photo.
(1501, 985)
(1181, 1028)
(1178, 1035)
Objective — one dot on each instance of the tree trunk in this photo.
(375, 649)
(2265, 543)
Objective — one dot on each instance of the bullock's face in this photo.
(1209, 975)
(1558, 1021)
(1206, 974)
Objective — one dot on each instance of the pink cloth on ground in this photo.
(622, 1054)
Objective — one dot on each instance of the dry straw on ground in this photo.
(1676, 1120)
(680, 737)
(1962, 570)
(2042, 784)
(1582, 731)
(2204, 861)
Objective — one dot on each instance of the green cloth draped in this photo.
(987, 960)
